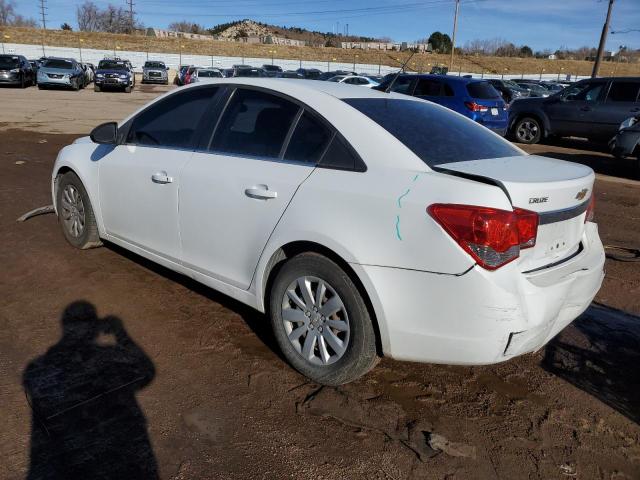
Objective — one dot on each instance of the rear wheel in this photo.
(321, 321)
(75, 213)
(96, 88)
(127, 89)
(527, 130)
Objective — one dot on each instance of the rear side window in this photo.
(623, 92)
(171, 122)
(482, 90)
(435, 134)
(428, 87)
(254, 123)
(341, 157)
(309, 140)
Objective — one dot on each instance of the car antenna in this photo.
(388, 89)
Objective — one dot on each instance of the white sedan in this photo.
(358, 80)
(363, 223)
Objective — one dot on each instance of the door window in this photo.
(428, 87)
(340, 156)
(623, 91)
(589, 92)
(309, 140)
(171, 122)
(254, 123)
(402, 85)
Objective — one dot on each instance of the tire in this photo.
(127, 89)
(40, 87)
(75, 214)
(527, 130)
(96, 88)
(324, 365)
(22, 82)
(75, 86)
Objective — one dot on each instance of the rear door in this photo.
(571, 114)
(621, 103)
(435, 90)
(235, 191)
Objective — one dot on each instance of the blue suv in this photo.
(472, 97)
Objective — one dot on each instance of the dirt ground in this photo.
(127, 370)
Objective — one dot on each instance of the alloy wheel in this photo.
(73, 213)
(315, 320)
(527, 131)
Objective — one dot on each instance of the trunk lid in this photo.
(558, 191)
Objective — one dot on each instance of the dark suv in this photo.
(592, 109)
(16, 70)
(114, 73)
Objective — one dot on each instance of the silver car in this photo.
(155, 72)
(61, 72)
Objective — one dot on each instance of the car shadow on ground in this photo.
(86, 421)
(601, 161)
(600, 354)
(256, 321)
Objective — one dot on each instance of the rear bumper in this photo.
(483, 317)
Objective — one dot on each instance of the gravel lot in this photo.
(195, 387)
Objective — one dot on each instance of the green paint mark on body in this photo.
(398, 227)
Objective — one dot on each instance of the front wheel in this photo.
(96, 88)
(527, 130)
(127, 89)
(321, 322)
(75, 213)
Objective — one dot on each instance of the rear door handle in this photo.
(261, 192)
(161, 177)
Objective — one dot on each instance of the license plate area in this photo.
(494, 111)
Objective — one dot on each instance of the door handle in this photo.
(261, 192)
(161, 177)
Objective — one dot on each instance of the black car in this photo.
(509, 90)
(592, 109)
(272, 70)
(246, 71)
(290, 74)
(16, 70)
(114, 73)
(310, 73)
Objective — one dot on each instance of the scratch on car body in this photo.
(398, 227)
(402, 196)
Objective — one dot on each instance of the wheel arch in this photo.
(362, 283)
(539, 116)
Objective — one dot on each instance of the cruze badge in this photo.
(581, 194)
(538, 199)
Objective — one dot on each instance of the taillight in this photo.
(493, 237)
(591, 210)
(475, 107)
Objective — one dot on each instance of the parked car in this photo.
(508, 89)
(481, 252)
(271, 70)
(473, 98)
(178, 79)
(592, 109)
(310, 73)
(154, 71)
(552, 86)
(35, 65)
(534, 89)
(375, 78)
(60, 72)
(354, 80)
(203, 73)
(290, 74)
(114, 73)
(627, 140)
(327, 75)
(249, 72)
(16, 70)
(88, 74)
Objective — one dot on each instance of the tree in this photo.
(525, 51)
(9, 17)
(187, 27)
(440, 42)
(66, 26)
(111, 19)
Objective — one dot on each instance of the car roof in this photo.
(448, 78)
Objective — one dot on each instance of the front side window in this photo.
(173, 121)
(621, 91)
(436, 135)
(401, 85)
(309, 140)
(585, 91)
(254, 123)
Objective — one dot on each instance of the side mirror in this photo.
(106, 134)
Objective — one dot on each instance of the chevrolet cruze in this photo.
(363, 223)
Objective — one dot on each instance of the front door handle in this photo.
(161, 177)
(261, 192)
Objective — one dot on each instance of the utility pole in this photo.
(130, 3)
(603, 41)
(453, 38)
(43, 13)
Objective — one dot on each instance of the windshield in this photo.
(512, 84)
(154, 65)
(58, 63)
(435, 134)
(209, 74)
(111, 65)
(9, 62)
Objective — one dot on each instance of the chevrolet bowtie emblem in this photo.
(581, 194)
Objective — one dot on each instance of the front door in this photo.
(571, 113)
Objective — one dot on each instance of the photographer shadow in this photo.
(86, 421)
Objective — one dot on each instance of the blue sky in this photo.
(538, 23)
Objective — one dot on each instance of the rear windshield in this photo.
(483, 90)
(435, 134)
(9, 62)
(59, 63)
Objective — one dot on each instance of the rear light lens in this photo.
(493, 237)
(591, 210)
(475, 107)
